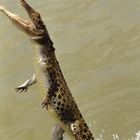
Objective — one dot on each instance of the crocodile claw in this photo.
(21, 89)
(45, 103)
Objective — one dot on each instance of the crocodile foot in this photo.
(45, 103)
(21, 89)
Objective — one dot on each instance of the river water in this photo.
(98, 47)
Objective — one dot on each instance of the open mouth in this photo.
(34, 27)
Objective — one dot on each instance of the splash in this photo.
(138, 135)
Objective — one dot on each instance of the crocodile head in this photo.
(34, 27)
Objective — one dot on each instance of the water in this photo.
(98, 46)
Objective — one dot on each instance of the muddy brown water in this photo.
(98, 47)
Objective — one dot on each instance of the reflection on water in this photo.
(98, 47)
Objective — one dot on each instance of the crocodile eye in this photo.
(36, 18)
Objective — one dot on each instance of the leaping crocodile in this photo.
(48, 75)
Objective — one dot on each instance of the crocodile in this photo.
(58, 99)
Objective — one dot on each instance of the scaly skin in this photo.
(59, 101)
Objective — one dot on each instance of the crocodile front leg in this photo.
(26, 84)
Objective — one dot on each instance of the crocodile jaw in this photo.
(34, 27)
